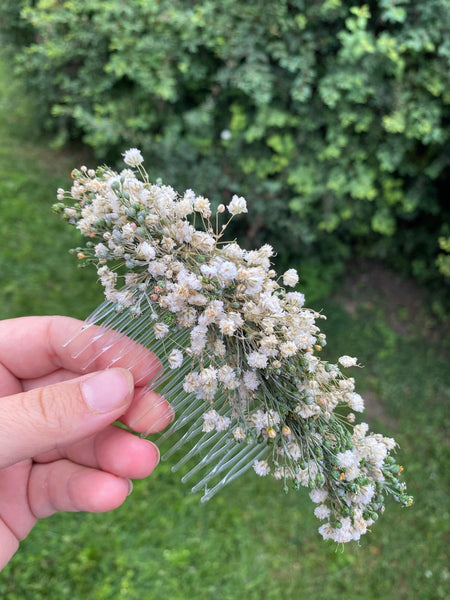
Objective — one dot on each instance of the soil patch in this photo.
(402, 300)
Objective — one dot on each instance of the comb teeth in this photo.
(215, 458)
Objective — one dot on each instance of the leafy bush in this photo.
(330, 116)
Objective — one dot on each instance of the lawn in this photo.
(251, 541)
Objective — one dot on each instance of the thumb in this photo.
(57, 415)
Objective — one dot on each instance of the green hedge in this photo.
(330, 116)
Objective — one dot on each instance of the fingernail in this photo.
(151, 413)
(108, 390)
(130, 487)
(157, 452)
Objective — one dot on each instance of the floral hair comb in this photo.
(239, 351)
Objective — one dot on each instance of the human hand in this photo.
(59, 450)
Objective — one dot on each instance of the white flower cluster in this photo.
(248, 357)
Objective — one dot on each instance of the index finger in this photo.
(32, 347)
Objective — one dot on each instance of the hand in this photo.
(59, 450)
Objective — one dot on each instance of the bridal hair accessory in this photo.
(239, 351)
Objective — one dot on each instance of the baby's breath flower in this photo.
(175, 359)
(227, 326)
(237, 205)
(293, 450)
(184, 207)
(133, 157)
(131, 279)
(251, 380)
(191, 383)
(203, 206)
(223, 423)
(257, 360)
(145, 251)
(261, 467)
(160, 330)
(288, 349)
(347, 459)
(227, 376)
(219, 348)
(355, 402)
(128, 232)
(203, 241)
(238, 434)
(210, 420)
(157, 268)
(360, 430)
(296, 298)
(307, 410)
(290, 277)
(347, 361)
(318, 495)
(322, 512)
(233, 252)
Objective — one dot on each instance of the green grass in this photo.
(251, 541)
(37, 274)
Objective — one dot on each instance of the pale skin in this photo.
(59, 449)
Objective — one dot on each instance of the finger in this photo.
(42, 419)
(56, 377)
(148, 413)
(32, 347)
(8, 383)
(113, 450)
(9, 545)
(14, 508)
(66, 486)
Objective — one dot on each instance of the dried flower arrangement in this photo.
(240, 352)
